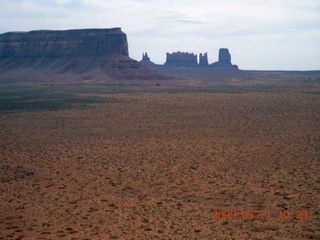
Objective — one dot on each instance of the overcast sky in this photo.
(260, 34)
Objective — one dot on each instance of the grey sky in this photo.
(261, 35)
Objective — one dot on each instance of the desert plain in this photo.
(237, 158)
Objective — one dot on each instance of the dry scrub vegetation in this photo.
(156, 166)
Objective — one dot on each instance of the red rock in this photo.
(73, 51)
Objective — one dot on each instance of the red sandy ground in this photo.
(156, 166)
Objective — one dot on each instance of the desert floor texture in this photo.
(160, 164)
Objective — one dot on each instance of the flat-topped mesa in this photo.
(181, 59)
(224, 62)
(68, 43)
(92, 53)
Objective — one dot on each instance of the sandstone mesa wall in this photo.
(181, 59)
(93, 53)
(69, 43)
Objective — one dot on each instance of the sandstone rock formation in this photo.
(224, 62)
(189, 60)
(179, 59)
(146, 61)
(98, 51)
(224, 56)
(79, 43)
(145, 57)
(203, 60)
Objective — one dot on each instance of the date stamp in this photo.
(262, 214)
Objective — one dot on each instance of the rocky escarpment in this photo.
(181, 59)
(89, 52)
(203, 60)
(89, 42)
(224, 62)
(189, 60)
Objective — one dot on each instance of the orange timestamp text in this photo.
(262, 214)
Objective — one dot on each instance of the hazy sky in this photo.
(260, 34)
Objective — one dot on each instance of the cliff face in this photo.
(224, 62)
(70, 43)
(224, 56)
(178, 59)
(103, 51)
(203, 60)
